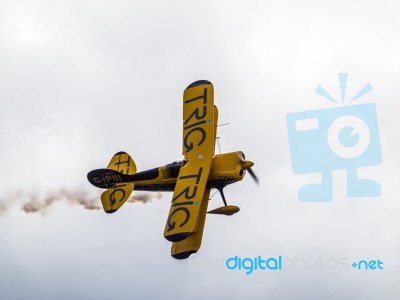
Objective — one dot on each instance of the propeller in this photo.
(254, 176)
(246, 165)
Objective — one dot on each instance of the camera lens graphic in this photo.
(348, 136)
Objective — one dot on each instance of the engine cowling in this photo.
(227, 166)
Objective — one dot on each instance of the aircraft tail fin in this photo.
(114, 197)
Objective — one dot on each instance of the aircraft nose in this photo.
(247, 164)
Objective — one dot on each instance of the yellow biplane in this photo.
(191, 179)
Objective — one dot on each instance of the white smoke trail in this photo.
(33, 202)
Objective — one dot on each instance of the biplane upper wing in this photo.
(198, 149)
(183, 249)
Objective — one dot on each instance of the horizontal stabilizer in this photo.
(117, 179)
(228, 210)
(115, 197)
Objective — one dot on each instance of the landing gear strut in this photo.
(221, 191)
(227, 210)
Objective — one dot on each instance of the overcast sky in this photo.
(81, 80)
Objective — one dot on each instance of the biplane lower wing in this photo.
(190, 245)
(198, 149)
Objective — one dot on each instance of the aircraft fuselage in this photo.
(226, 169)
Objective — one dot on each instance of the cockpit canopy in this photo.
(172, 169)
